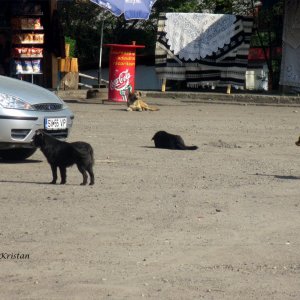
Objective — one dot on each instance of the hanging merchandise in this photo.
(203, 49)
(290, 64)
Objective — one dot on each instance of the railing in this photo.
(81, 75)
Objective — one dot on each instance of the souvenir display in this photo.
(27, 39)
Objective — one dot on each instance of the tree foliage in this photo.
(82, 22)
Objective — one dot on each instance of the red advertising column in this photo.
(121, 71)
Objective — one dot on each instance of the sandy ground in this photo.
(221, 222)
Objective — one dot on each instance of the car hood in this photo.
(26, 91)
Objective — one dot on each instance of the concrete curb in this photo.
(231, 98)
(194, 97)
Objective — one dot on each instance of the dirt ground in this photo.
(221, 222)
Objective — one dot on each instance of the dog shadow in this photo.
(39, 183)
(289, 177)
(284, 177)
(119, 109)
(148, 147)
(26, 161)
(22, 181)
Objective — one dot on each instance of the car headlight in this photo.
(64, 105)
(8, 101)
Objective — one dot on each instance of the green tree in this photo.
(81, 23)
(267, 35)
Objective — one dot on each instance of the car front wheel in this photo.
(16, 154)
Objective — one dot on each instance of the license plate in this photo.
(55, 123)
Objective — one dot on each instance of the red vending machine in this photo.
(121, 71)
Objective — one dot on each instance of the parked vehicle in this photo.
(25, 108)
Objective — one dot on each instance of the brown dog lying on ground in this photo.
(135, 103)
(298, 142)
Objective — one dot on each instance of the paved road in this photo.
(221, 222)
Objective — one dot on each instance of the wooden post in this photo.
(163, 86)
(228, 89)
(53, 59)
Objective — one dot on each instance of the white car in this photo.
(25, 108)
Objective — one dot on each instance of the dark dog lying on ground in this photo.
(165, 140)
(298, 142)
(61, 155)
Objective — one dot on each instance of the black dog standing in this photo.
(62, 155)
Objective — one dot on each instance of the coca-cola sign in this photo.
(121, 82)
